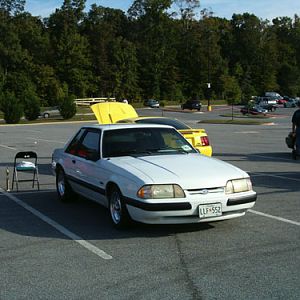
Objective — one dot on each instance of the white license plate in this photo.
(210, 210)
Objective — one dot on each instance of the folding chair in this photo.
(25, 161)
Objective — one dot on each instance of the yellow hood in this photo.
(111, 112)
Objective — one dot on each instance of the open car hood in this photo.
(112, 112)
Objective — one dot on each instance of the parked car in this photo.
(51, 112)
(192, 104)
(151, 103)
(254, 110)
(114, 112)
(149, 173)
(273, 94)
(290, 102)
(269, 103)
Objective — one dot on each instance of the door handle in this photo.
(73, 161)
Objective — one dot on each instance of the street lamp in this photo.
(208, 96)
(208, 72)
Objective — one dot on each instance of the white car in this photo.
(151, 174)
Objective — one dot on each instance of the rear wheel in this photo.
(46, 115)
(117, 209)
(63, 188)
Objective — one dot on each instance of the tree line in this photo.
(163, 49)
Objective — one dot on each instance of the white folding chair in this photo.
(25, 162)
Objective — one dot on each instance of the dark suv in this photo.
(192, 104)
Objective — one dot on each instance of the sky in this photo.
(264, 9)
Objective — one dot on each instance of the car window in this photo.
(89, 147)
(74, 143)
(143, 141)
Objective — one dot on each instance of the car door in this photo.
(70, 158)
(88, 166)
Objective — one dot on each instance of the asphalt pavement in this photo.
(51, 250)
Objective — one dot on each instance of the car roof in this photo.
(171, 120)
(125, 126)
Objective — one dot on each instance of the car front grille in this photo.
(218, 190)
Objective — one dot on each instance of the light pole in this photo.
(208, 74)
(208, 96)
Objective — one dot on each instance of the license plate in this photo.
(210, 210)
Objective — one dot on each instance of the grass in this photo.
(236, 115)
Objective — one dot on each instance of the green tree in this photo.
(156, 50)
(103, 27)
(31, 105)
(12, 6)
(11, 108)
(232, 91)
(71, 56)
(124, 66)
(67, 107)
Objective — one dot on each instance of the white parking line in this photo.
(7, 147)
(247, 132)
(59, 227)
(274, 217)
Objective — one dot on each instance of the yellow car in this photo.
(116, 112)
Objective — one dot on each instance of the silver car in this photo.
(51, 112)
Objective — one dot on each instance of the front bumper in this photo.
(186, 210)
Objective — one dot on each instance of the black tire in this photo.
(46, 115)
(63, 188)
(117, 209)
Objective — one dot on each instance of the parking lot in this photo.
(52, 250)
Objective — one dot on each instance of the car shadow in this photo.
(87, 219)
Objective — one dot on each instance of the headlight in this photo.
(159, 191)
(238, 186)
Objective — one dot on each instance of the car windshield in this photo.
(164, 121)
(144, 141)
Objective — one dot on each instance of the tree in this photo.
(124, 65)
(153, 35)
(31, 105)
(103, 27)
(67, 107)
(71, 56)
(232, 91)
(11, 107)
(12, 6)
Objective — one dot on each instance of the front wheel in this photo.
(63, 188)
(117, 209)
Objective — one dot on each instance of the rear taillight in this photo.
(204, 141)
